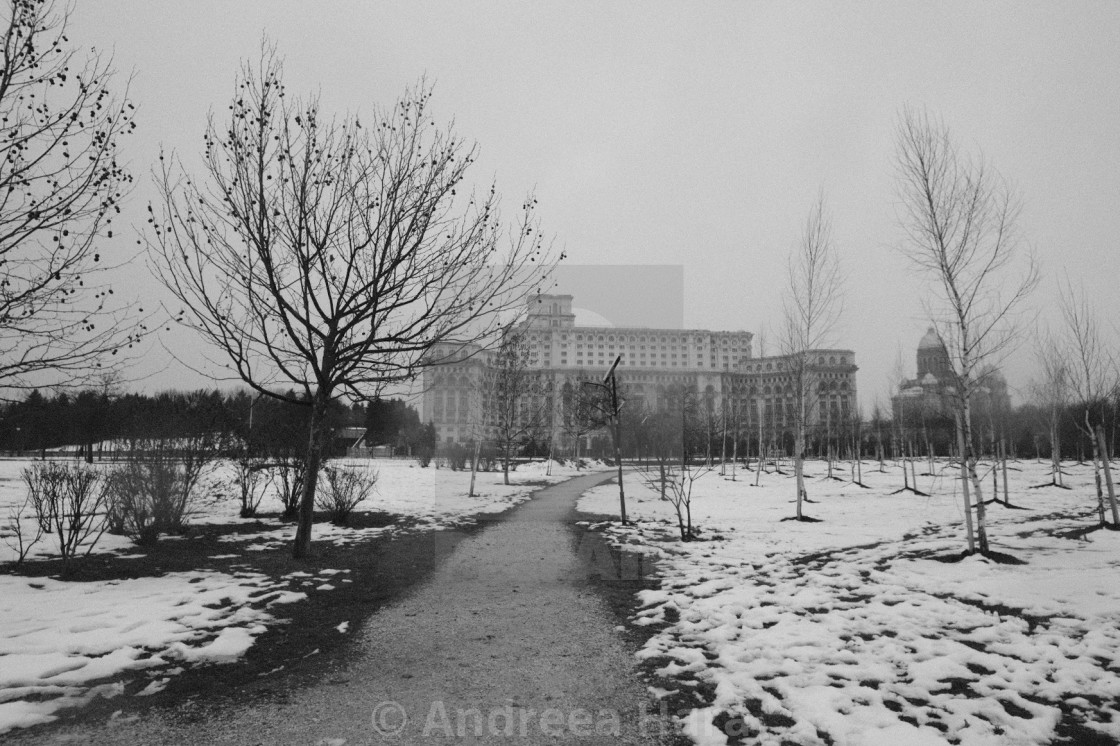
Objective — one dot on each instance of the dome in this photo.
(585, 317)
(930, 341)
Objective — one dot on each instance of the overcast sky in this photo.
(690, 134)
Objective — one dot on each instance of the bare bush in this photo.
(289, 473)
(153, 491)
(252, 480)
(345, 488)
(69, 503)
(17, 536)
(455, 456)
(674, 483)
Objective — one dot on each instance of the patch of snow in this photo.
(852, 627)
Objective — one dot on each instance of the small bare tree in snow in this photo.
(960, 222)
(1091, 379)
(811, 310)
(1051, 393)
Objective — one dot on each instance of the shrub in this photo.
(456, 456)
(17, 536)
(488, 458)
(153, 491)
(69, 503)
(252, 480)
(131, 507)
(289, 473)
(342, 490)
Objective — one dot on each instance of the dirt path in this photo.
(508, 642)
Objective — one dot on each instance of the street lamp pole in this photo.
(610, 384)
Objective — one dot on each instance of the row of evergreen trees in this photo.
(86, 420)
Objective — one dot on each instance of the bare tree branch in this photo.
(61, 184)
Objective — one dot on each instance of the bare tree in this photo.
(662, 435)
(736, 408)
(516, 400)
(959, 217)
(675, 483)
(335, 254)
(668, 433)
(578, 412)
(1050, 393)
(877, 426)
(1091, 379)
(61, 185)
(901, 423)
(811, 311)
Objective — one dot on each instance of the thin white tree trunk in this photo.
(1003, 460)
(474, 465)
(1104, 458)
(964, 488)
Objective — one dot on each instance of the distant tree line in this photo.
(706, 432)
(88, 419)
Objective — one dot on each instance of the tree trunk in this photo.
(995, 475)
(621, 489)
(1003, 463)
(799, 465)
(723, 449)
(1104, 455)
(1055, 453)
(735, 453)
(761, 458)
(964, 487)
(905, 469)
(316, 441)
(474, 465)
(688, 514)
(1097, 480)
(970, 461)
(505, 462)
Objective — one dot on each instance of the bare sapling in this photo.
(960, 221)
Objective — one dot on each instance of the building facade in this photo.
(718, 365)
(923, 408)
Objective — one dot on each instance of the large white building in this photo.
(717, 364)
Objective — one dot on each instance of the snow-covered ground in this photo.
(850, 631)
(60, 641)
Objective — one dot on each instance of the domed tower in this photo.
(933, 357)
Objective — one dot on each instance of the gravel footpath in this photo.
(510, 641)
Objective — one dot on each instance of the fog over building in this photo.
(566, 345)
